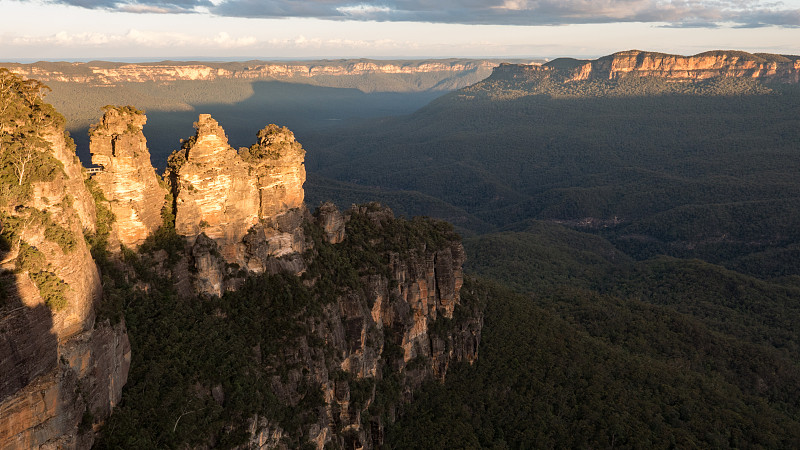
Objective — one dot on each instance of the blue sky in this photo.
(243, 29)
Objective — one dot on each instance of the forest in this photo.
(639, 240)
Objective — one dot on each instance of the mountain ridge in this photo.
(103, 73)
(702, 66)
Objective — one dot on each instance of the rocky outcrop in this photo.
(332, 222)
(713, 64)
(401, 322)
(128, 179)
(61, 373)
(370, 309)
(215, 193)
(248, 203)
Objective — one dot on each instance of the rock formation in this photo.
(369, 300)
(249, 203)
(386, 326)
(61, 372)
(766, 67)
(106, 73)
(128, 179)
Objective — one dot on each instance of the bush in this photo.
(51, 288)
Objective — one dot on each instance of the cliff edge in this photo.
(637, 63)
(62, 371)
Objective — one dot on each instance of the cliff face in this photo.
(698, 67)
(60, 371)
(326, 358)
(399, 325)
(335, 319)
(111, 73)
(715, 64)
(128, 179)
(248, 203)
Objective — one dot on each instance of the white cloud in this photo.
(363, 10)
(134, 37)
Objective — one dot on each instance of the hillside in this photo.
(687, 168)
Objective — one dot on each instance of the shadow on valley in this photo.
(304, 109)
(711, 177)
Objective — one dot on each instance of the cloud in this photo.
(134, 37)
(677, 13)
(141, 6)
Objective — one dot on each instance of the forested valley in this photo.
(639, 237)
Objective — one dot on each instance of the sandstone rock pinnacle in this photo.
(128, 179)
(249, 203)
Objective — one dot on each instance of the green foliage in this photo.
(25, 155)
(243, 341)
(29, 258)
(98, 242)
(34, 218)
(542, 255)
(62, 236)
(574, 368)
(272, 144)
(597, 350)
(704, 174)
(51, 288)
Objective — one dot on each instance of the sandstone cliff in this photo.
(713, 64)
(128, 179)
(103, 73)
(243, 208)
(326, 358)
(317, 329)
(61, 373)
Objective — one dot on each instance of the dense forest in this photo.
(666, 170)
(642, 239)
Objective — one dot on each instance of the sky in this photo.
(130, 30)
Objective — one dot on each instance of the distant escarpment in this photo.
(637, 72)
(429, 74)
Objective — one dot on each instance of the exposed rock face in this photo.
(216, 194)
(780, 68)
(128, 179)
(249, 203)
(332, 222)
(389, 316)
(56, 363)
(388, 326)
(112, 73)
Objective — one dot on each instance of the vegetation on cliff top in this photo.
(597, 350)
(203, 368)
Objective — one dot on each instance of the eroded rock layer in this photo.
(106, 73)
(61, 373)
(713, 64)
(128, 179)
(248, 203)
